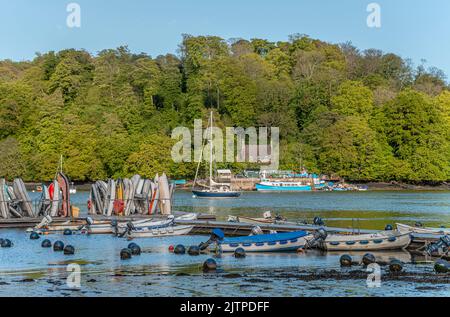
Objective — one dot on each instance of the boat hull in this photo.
(160, 232)
(278, 242)
(268, 188)
(409, 229)
(205, 194)
(367, 242)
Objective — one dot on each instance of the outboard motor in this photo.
(440, 247)
(114, 225)
(216, 235)
(319, 236)
(89, 221)
(171, 218)
(279, 217)
(318, 221)
(256, 231)
(130, 226)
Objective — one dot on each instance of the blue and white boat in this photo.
(275, 242)
(289, 186)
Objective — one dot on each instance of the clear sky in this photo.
(415, 29)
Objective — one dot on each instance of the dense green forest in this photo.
(362, 115)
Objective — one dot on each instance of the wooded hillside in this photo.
(362, 115)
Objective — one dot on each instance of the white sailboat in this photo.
(213, 189)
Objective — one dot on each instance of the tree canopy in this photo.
(362, 115)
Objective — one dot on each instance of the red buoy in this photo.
(171, 248)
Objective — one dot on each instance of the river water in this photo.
(29, 270)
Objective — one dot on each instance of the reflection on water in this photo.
(29, 270)
(373, 209)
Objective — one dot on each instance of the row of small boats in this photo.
(140, 228)
(380, 241)
(54, 201)
(292, 241)
(135, 196)
(14, 200)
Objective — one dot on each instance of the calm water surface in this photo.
(28, 270)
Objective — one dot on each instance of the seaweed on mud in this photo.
(232, 275)
(415, 277)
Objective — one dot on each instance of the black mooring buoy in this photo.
(179, 249)
(441, 266)
(69, 250)
(125, 254)
(34, 236)
(67, 232)
(6, 243)
(132, 244)
(396, 266)
(135, 249)
(209, 265)
(239, 253)
(388, 228)
(346, 260)
(46, 243)
(58, 246)
(193, 250)
(368, 258)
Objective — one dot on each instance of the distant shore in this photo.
(404, 186)
(374, 186)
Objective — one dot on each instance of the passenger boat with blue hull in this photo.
(274, 242)
(282, 186)
(288, 186)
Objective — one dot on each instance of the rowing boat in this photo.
(410, 229)
(4, 207)
(266, 219)
(21, 193)
(164, 195)
(159, 232)
(385, 240)
(274, 242)
(119, 228)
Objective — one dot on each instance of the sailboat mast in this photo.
(210, 150)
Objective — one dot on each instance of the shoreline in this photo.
(373, 186)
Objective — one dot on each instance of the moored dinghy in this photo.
(426, 230)
(21, 193)
(385, 240)
(150, 232)
(44, 203)
(155, 198)
(128, 196)
(164, 196)
(274, 242)
(64, 185)
(110, 198)
(4, 207)
(54, 197)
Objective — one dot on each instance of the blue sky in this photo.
(415, 29)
